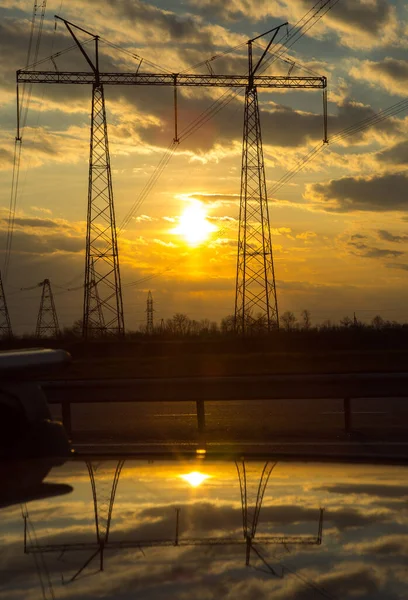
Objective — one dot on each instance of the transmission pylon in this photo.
(255, 292)
(149, 313)
(5, 323)
(47, 320)
(101, 253)
(96, 324)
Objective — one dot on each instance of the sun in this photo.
(193, 224)
(195, 478)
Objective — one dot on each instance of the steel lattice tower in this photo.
(149, 313)
(101, 239)
(5, 323)
(47, 320)
(101, 254)
(255, 293)
(96, 324)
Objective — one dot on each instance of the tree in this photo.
(378, 322)
(346, 322)
(306, 316)
(288, 320)
(228, 324)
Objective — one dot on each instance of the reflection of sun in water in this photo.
(193, 224)
(195, 478)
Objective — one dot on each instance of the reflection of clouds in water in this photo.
(365, 538)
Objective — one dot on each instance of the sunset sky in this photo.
(340, 226)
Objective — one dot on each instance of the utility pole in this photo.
(96, 323)
(5, 323)
(149, 314)
(255, 278)
(47, 320)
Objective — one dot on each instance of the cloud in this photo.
(37, 222)
(402, 266)
(382, 193)
(372, 252)
(383, 234)
(165, 244)
(369, 489)
(395, 155)
(389, 73)
(143, 219)
(388, 546)
(356, 23)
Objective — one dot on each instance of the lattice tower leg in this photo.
(252, 488)
(96, 322)
(5, 323)
(101, 238)
(256, 305)
(47, 320)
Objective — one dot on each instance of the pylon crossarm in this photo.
(168, 79)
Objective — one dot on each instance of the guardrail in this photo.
(345, 387)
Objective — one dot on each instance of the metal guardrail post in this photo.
(200, 416)
(66, 417)
(347, 415)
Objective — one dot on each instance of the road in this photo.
(250, 420)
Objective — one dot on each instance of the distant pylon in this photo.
(5, 324)
(47, 320)
(251, 500)
(255, 292)
(96, 323)
(149, 313)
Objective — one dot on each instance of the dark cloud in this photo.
(391, 67)
(372, 252)
(6, 158)
(37, 222)
(396, 154)
(360, 583)
(367, 17)
(402, 266)
(369, 489)
(389, 546)
(385, 192)
(383, 234)
(178, 29)
(43, 244)
(358, 236)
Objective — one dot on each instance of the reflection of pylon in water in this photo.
(104, 485)
(96, 322)
(252, 494)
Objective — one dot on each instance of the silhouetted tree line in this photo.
(180, 327)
